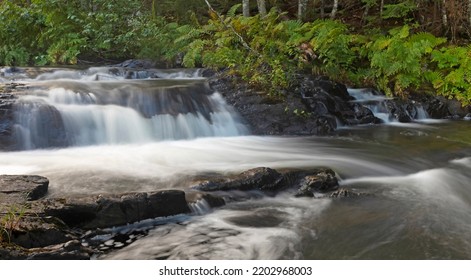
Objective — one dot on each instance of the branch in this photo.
(230, 27)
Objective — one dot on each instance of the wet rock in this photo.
(261, 178)
(398, 109)
(340, 193)
(71, 250)
(113, 210)
(320, 181)
(45, 124)
(6, 121)
(23, 187)
(437, 108)
(284, 114)
(364, 115)
(35, 232)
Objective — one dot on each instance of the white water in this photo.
(376, 102)
(417, 176)
(86, 112)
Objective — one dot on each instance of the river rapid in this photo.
(416, 176)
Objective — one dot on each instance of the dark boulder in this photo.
(399, 110)
(437, 108)
(113, 210)
(261, 178)
(318, 181)
(283, 114)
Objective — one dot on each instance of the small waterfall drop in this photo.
(71, 108)
(385, 109)
(200, 207)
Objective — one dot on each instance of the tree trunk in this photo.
(381, 8)
(444, 14)
(262, 8)
(302, 6)
(365, 14)
(246, 8)
(469, 13)
(322, 8)
(334, 9)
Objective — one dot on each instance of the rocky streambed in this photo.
(37, 227)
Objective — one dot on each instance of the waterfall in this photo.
(387, 109)
(71, 108)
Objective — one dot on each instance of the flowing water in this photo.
(112, 134)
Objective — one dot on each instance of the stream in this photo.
(97, 131)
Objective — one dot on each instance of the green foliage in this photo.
(18, 33)
(333, 46)
(399, 10)
(399, 59)
(13, 55)
(259, 49)
(452, 77)
(265, 52)
(61, 32)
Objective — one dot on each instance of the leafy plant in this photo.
(399, 59)
(452, 76)
(399, 10)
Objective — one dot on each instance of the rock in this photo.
(342, 193)
(323, 180)
(363, 115)
(437, 108)
(6, 121)
(398, 110)
(36, 232)
(271, 115)
(30, 187)
(71, 250)
(261, 178)
(45, 125)
(113, 210)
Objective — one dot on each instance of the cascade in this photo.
(384, 108)
(102, 106)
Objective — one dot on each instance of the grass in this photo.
(10, 222)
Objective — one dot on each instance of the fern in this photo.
(233, 10)
(400, 10)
